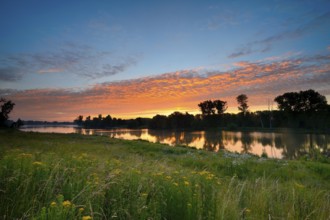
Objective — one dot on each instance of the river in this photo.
(287, 144)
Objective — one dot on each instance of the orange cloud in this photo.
(177, 91)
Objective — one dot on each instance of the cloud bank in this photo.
(181, 90)
(80, 60)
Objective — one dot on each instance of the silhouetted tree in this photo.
(304, 101)
(304, 109)
(6, 108)
(178, 120)
(158, 122)
(220, 106)
(79, 120)
(242, 102)
(107, 121)
(207, 107)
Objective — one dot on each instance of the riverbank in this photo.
(71, 176)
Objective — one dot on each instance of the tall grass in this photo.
(53, 176)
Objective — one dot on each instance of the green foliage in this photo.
(56, 176)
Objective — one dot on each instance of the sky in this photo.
(60, 59)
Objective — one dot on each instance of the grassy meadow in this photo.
(70, 176)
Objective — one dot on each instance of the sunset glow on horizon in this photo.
(139, 59)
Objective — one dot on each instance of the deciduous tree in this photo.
(242, 101)
(220, 106)
(6, 108)
(303, 101)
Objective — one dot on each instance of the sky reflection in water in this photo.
(286, 144)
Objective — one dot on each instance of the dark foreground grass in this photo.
(70, 176)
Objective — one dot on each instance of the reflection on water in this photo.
(286, 144)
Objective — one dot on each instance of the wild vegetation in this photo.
(70, 176)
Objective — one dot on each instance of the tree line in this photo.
(305, 109)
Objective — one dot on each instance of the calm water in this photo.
(286, 144)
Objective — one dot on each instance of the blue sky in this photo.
(78, 46)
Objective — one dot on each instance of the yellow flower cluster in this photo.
(53, 204)
(66, 204)
(87, 217)
(208, 175)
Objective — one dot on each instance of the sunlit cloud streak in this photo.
(51, 70)
(181, 90)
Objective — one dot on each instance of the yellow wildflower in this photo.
(247, 210)
(87, 217)
(175, 184)
(168, 177)
(203, 172)
(186, 183)
(144, 194)
(37, 163)
(81, 209)
(66, 204)
(53, 204)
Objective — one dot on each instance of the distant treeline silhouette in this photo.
(305, 109)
